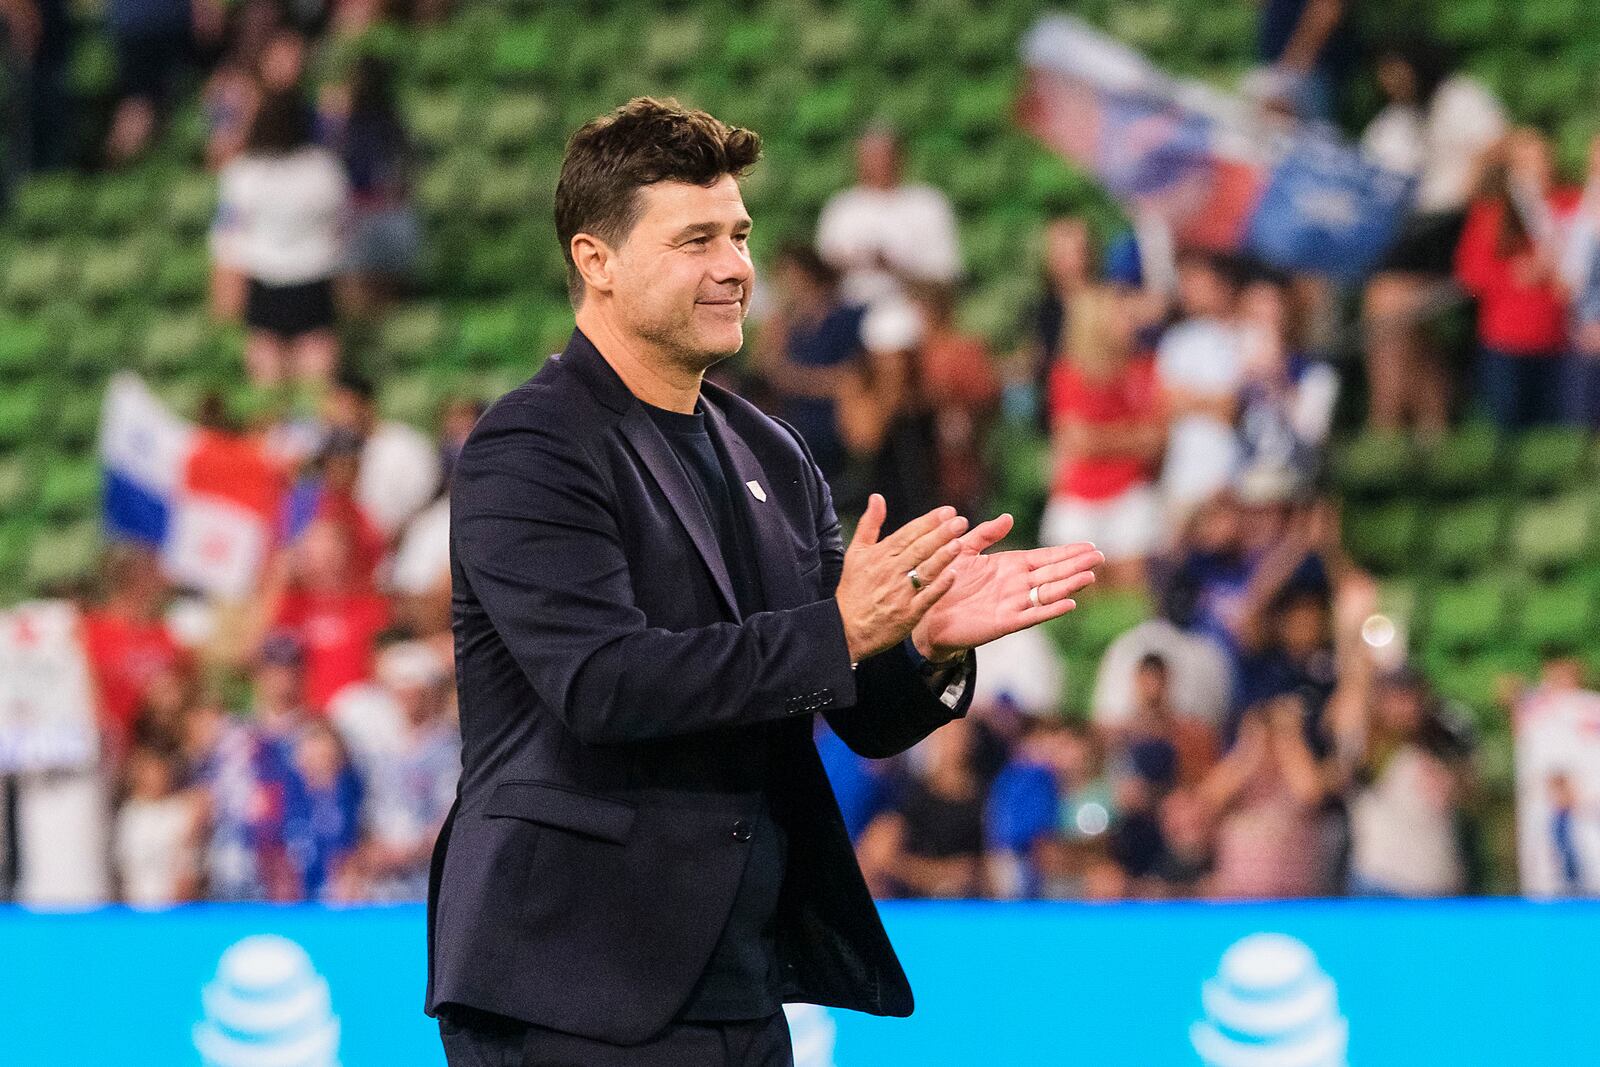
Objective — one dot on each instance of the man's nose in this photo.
(732, 263)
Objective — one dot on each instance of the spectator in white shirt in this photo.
(1438, 126)
(157, 834)
(400, 466)
(882, 232)
(281, 207)
(1200, 363)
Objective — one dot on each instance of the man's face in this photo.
(878, 161)
(682, 277)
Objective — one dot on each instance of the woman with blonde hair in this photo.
(1107, 432)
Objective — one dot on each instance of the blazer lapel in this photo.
(664, 467)
(774, 547)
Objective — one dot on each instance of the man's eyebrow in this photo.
(705, 229)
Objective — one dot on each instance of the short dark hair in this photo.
(640, 143)
(282, 123)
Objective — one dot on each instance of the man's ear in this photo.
(595, 261)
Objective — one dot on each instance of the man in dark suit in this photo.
(651, 601)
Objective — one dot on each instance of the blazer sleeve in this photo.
(533, 531)
(895, 706)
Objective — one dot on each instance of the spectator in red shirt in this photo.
(1508, 261)
(127, 640)
(1108, 433)
(312, 590)
(329, 492)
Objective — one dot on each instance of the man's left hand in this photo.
(989, 598)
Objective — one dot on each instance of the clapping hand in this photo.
(993, 595)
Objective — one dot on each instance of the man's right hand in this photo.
(876, 599)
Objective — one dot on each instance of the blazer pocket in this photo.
(561, 806)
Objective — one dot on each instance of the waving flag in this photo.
(1217, 170)
(207, 500)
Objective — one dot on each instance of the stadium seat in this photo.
(70, 489)
(1471, 615)
(1545, 459)
(1463, 462)
(113, 272)
(1373, 463)
(18, 483)
(66, 553)
(1383, 538)
(1464, 538)
(35, 274)
(22, 410)
(24, 344)
(1470, 22)
(1556, 534)
(46, 204)
(174, 343)
(521, 53)
(1561, 614)
(513, 122)
(191, 202)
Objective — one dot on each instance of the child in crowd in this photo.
(1108, 435)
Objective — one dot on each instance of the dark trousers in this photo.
(1521, 390)
(480, 1039)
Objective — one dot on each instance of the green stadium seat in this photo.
(92, 70)
(1552, 21)
(513, 122)
(826, 114)
(70, 489)
(1383, 538)
(18, 483)
(191, 201)
(24, 345)
(47, 204)
(672, 44)
(22, 412)
(413, 334)
(182, 275)
(16, 542)
(1554, 535)
(113, 272)
(1465, 538)
(1470, 22)
(1548, 458)
(828, 42)
(175, 343)
(1471, 615)
(521, 53)
(75, 423)
(983, 109)
(1562, 614)
(489, 332)
(438, 119)
(1463, 462)
(67, 553)
(35, 274)
(1374, 463)
(121, 203)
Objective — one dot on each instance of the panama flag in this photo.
(206, 499)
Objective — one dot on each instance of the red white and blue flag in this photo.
(1220, 173)
(207, 500)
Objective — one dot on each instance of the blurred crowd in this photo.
(1248, 739)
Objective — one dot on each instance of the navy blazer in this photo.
(606, 679)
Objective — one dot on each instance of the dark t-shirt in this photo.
(741, 981)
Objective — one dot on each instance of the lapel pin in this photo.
(756, 490)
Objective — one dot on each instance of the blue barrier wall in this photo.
(1365, 983)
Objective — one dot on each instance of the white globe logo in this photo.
(1270, 1005)
(267, 1007)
